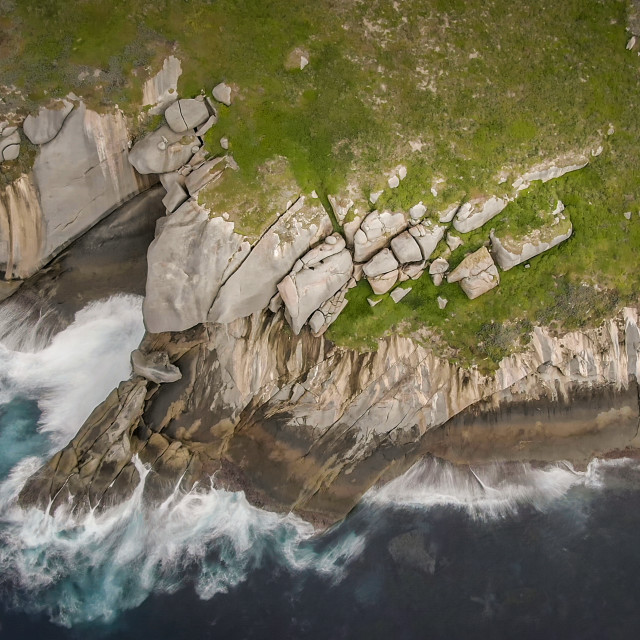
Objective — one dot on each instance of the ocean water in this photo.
(497, 551)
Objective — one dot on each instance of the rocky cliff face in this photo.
(79, 176)
(303, 425)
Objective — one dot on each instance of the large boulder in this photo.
(189, 260)
(427, 236)
(315, 279)
(45, 126)
(375, 232)
(477, 273)
(473, 214)
(513, 250)
(405, 248)
(253, 285)
(163, 150)
(184, 115)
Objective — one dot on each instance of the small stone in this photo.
(224, 143)
(453, 242)
(417, 211)
(439, 265)
(225, 216)
(627, 215)
(303, 62)
(437, 279)
(596, 152)
(611, 130)
(222, 93)
(331, 240)
(393, 182)
(402, 172)
(372, 302)
(442, 302)
(434, 192)
(314, 194)
(399, 293)
(373, 198)
(527, 266)
(631, 43)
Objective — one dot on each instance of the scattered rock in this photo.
(46, 125)
(373, 197)
(439, 265)
(453, 242)
(382, 271)
(627, 215)
(442, 302)
(224, 142)
(473, 214)
(417, 211)
(477, 273)
(162, 151)
(372, 302)
(297, 60)
(393, 182)
(632, 43)
(341, 206)
(154, 366)
(405, 248)
(550, 170)
(186, 114)
(398, 293)
(222, 93)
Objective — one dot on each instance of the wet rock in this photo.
(46, 125)
(154, 366)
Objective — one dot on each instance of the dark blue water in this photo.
(571, 570)
(503, 552)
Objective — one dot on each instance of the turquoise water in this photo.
(19, 435)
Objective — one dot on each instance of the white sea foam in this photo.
(79, 569)
(74, 371)
(484, 491)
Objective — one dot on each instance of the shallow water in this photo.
(498, 551)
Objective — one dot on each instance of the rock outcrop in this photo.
(314, 279)
(475, 213)
(154, 366)
(511, 251)
(477, 273)
(161, 90)
(191, 257)
(255, 282)
(163, 150)
(46, 125)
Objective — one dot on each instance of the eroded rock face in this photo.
(299, 424)
(255, 282)
(477, 273)
(161, 90)
(154, 366)
(46, 125)
(316, 278)
(163, 150)
(189, 260)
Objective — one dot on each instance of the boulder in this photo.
(473, 214)
(453, 242)
(305, 290)
(442, 302)
(253, 285)
(439, 265)
(511, 251)
(45, 126)
(163, 150)
(449, 213)
(417, 211)
(551, 169)
(341, 206)
(191, 257)
(427, 236)
(399, 293)
(382, 271)
(374, 233)
(176, 195)
(477, 273)
(9, 144)
(405, 248)
(222, 93)
(154, 366)
(184, 115)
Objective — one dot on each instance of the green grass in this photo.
(486, 86)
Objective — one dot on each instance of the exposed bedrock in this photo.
(302, 425)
